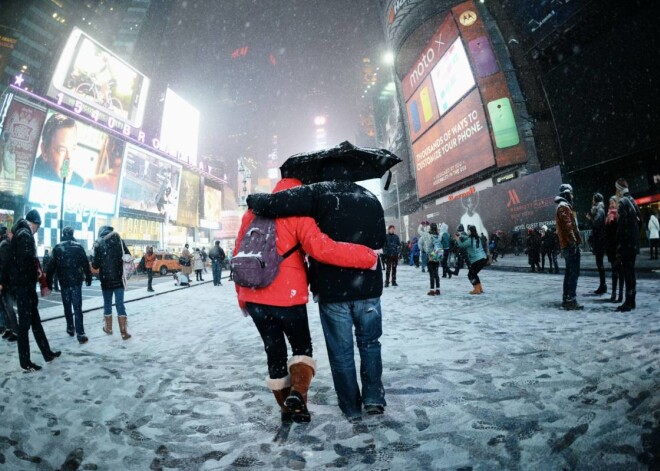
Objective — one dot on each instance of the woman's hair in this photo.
(472, 230)
(433, 228)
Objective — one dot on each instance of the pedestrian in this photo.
(204, 258)
(445, 240)
(44, 263)
(461, 254)
(149, 261)
(611, 228)
(228, 261)
(547, 247)
(597, 218)
(70, 265)
(24, 274)
(569, 242)
(198, 265)
(627, 241)
(654, 234)
(435, 253)
(391, 254)
(185, 261)
(423, 241)
(414, 253)
(9, 320)
(471, 242)
(405, 251)
(279, 309)
(349, 300)
(217, 256)
(533, 249)
(109, 250)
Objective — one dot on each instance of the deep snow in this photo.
(500, 381)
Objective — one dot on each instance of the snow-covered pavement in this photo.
(500, 381)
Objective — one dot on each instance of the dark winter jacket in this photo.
(547, 242)
(611, 229)
(5, 262)
(69, 262)
(344, 211)
(217, 254)
(533, 243)
(24, 262)
(108, 252)
(392, 245)
(598, 227)
(627, 236)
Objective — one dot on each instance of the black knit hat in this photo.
(598, 198)
(33, 217)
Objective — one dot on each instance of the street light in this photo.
(64, 171)
(398, 204)
(388, 58)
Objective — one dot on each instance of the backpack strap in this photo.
(291, 251)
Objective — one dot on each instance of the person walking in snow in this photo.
(185, 261)
(414, 253)
(533, 249)
(279, 310)
(391, 254)
(611, 228)
(217, 256)
(198, 265)
(476, 253)
(433, 247)
(654, 234)
(597, 218)
(461, 253)
(569, 242)
(6, 297)
(69, 263)
(149, 260)
(445, 240)
(204, 257)
(424, 239)
(627, 241)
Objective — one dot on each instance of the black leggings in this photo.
(433, 274)
(273, 324)
(475, 268)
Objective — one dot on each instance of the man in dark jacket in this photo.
(69, 263)
(627, 241)
(24, 274)
(217, 256)
(534, 249)
(391, 254)
(347, 298)
(109, 250)
(7, 311)
(597, 218)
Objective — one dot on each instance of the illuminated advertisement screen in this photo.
(452, 77)
(212, 208)
(188, 214)
(19, 141)
(90, 159)
(150, 184)
(90, 73)
(179, 132)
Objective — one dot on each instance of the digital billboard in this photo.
(179, 134)
(188, 214)
(89, 73)
(150, 184)
(90, 159)
(452, 77)
(212, 208)
(19, 140)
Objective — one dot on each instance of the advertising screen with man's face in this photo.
(150, 184)
(90, 73)
(89, 159)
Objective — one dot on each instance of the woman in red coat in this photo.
(279, 310)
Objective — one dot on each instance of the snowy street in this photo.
(505, 380)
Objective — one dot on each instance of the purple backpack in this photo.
(257, 262)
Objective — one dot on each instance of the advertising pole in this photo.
(64, 171)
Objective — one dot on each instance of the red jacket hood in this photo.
(286, 184)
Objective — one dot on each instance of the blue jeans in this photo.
(425, 260)
(216, 266)
(72, 296)
(119, 301)
(571, 275)
(338, 320)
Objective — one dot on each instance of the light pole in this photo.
(64, 171)
(398, 204)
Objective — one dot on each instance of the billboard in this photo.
(19, 141)
(90, 159)
(179, 133)
(150, 184)
(89, 73)
(188, 214)
(212, 208)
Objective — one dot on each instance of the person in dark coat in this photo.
(414, 253)
(217, 256)
(597, 218)
(109, 250)
(9, 319)
(461, 254)
(554, 244)
(24, 275)
(45, 262)
(391, 254)
(547, 246)
(611, 228)
(69, 263)
(348, 298)
(534, 249)
(627, 241)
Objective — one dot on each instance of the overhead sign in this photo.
(179, 128)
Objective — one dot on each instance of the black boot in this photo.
(614, 281)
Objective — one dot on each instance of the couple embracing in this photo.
(341, 226)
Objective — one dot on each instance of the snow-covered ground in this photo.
(500, 381)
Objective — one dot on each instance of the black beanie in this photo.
(33, 217)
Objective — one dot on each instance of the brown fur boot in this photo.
(107, 326)
(281, 388)
(302, 369)
(122, 327)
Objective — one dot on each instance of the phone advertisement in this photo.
(90, 73)
(452, 77)
(422, 109)
(89, 159)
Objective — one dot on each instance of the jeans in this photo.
(392, 261)
(572, 273)
(8, 312)
(150, 278)
(338, 320)
(628, 269)
(600, 255)
(273, 324)
(72, 296)
(425, 260)
(434, 267)
(119, 301)
(28, 318)
(475, 268)
(216, 266)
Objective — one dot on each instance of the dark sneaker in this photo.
(52, 356)
(31, 367)
(625, 307)
(387, 285)
(437, 292)
(7, 334)
(572, 306)
(600, 290)
(394, 283)
(71, 332)
(83, 340)
(12, 337)
(374, 409)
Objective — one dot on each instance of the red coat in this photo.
(290, 286)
